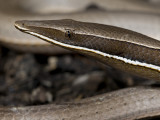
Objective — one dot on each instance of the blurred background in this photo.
(33, 72)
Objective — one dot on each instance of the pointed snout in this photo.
(21, 25)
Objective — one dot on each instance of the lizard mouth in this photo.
(20, 25)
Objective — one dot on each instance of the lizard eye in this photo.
(68, 33)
